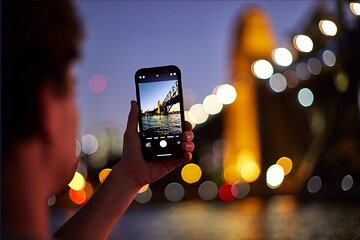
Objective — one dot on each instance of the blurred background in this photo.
(272, 91)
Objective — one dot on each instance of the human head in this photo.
(40, 41)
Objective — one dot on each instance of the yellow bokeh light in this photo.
(247, 166)
(231, 174)
(226, 94)
(144, 188)
(250, 171)
(286, 164)
(355, 8)
(328, 27)
(212, 104)
(104, 174)
(78, 182)
(191, 173)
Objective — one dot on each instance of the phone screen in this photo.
(161, 119)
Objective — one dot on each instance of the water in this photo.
(160, 125)
(280, 217)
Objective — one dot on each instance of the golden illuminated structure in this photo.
(254, 40)
(159, 105)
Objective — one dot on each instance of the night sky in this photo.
(123, 36)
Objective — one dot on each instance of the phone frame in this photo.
(150, 75)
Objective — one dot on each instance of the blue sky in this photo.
(151, 93)
(123, 36)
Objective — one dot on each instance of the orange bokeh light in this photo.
(78, 197)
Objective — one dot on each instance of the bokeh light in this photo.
(303, 43)
(341, 82)
(291, 78)
(240, 189)
(226, 94)
(89, 190)
(329, 58)
(144, 197)
(144, 188)
(347, 183)
(314, 66)
(189, 116)
(218, 147)
(78, 197)
(328, 27)
(314, 184)
(250, 171)
(199, 115)
(231, 174)
(78, 182)
(305, 97)
(208, 190)
(212, 104)
(89, 144)
(274, 176)
(191, 173)
(52, 201)
(262, 69)
(97, 84)
(225, 192)
(286, 164)
(302, 71)
(277, 82)
(174, 192)
(209, 163)
(282, 57)
(355, 8)
(104, 174)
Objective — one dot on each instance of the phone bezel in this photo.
(150, 74)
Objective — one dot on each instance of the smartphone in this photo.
(161, 119)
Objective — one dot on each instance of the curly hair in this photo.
(40, 40)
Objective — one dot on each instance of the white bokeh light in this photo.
(189, 116)
(262, 69)
(277, 82)
(208, 190)
(314, 184)
(226, 94)
(89, 144)
(355, 8)
(305, 97)
(199, 114)
(174, 192)
(282, 57)
(347, 183)
(328, 27)
(274, 176)
(329, 58)
(144, 197)
(303, 43)
(212, 104)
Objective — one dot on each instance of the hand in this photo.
(133, 164)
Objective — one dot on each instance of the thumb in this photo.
(133, 117)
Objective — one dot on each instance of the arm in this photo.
(98, 216)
